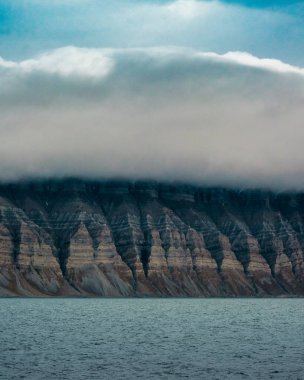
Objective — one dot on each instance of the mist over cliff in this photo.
(156, 113)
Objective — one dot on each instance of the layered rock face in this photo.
(77, 238)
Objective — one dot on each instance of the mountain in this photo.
(86, 238)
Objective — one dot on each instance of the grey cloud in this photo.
(165, 114)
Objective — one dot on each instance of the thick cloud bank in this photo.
(164, 114)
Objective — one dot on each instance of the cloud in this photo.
(66, 62)
(247, 59)
(158, 113)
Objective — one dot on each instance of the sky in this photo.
(205, 92)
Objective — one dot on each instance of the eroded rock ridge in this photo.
(84, 238)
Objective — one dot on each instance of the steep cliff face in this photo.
(123, 239)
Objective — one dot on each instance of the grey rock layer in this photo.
(80, 238)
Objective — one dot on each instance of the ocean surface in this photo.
(151, 338)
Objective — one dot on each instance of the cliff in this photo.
(84, 238)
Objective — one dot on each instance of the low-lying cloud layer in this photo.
(164, 114)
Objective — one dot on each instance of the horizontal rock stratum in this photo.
(85, 238)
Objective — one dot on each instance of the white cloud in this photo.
(167, 114)
(67, 62)
(76, 62)
(247, 59)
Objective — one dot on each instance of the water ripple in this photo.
(151, 339)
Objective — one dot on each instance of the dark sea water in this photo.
(151, 339)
